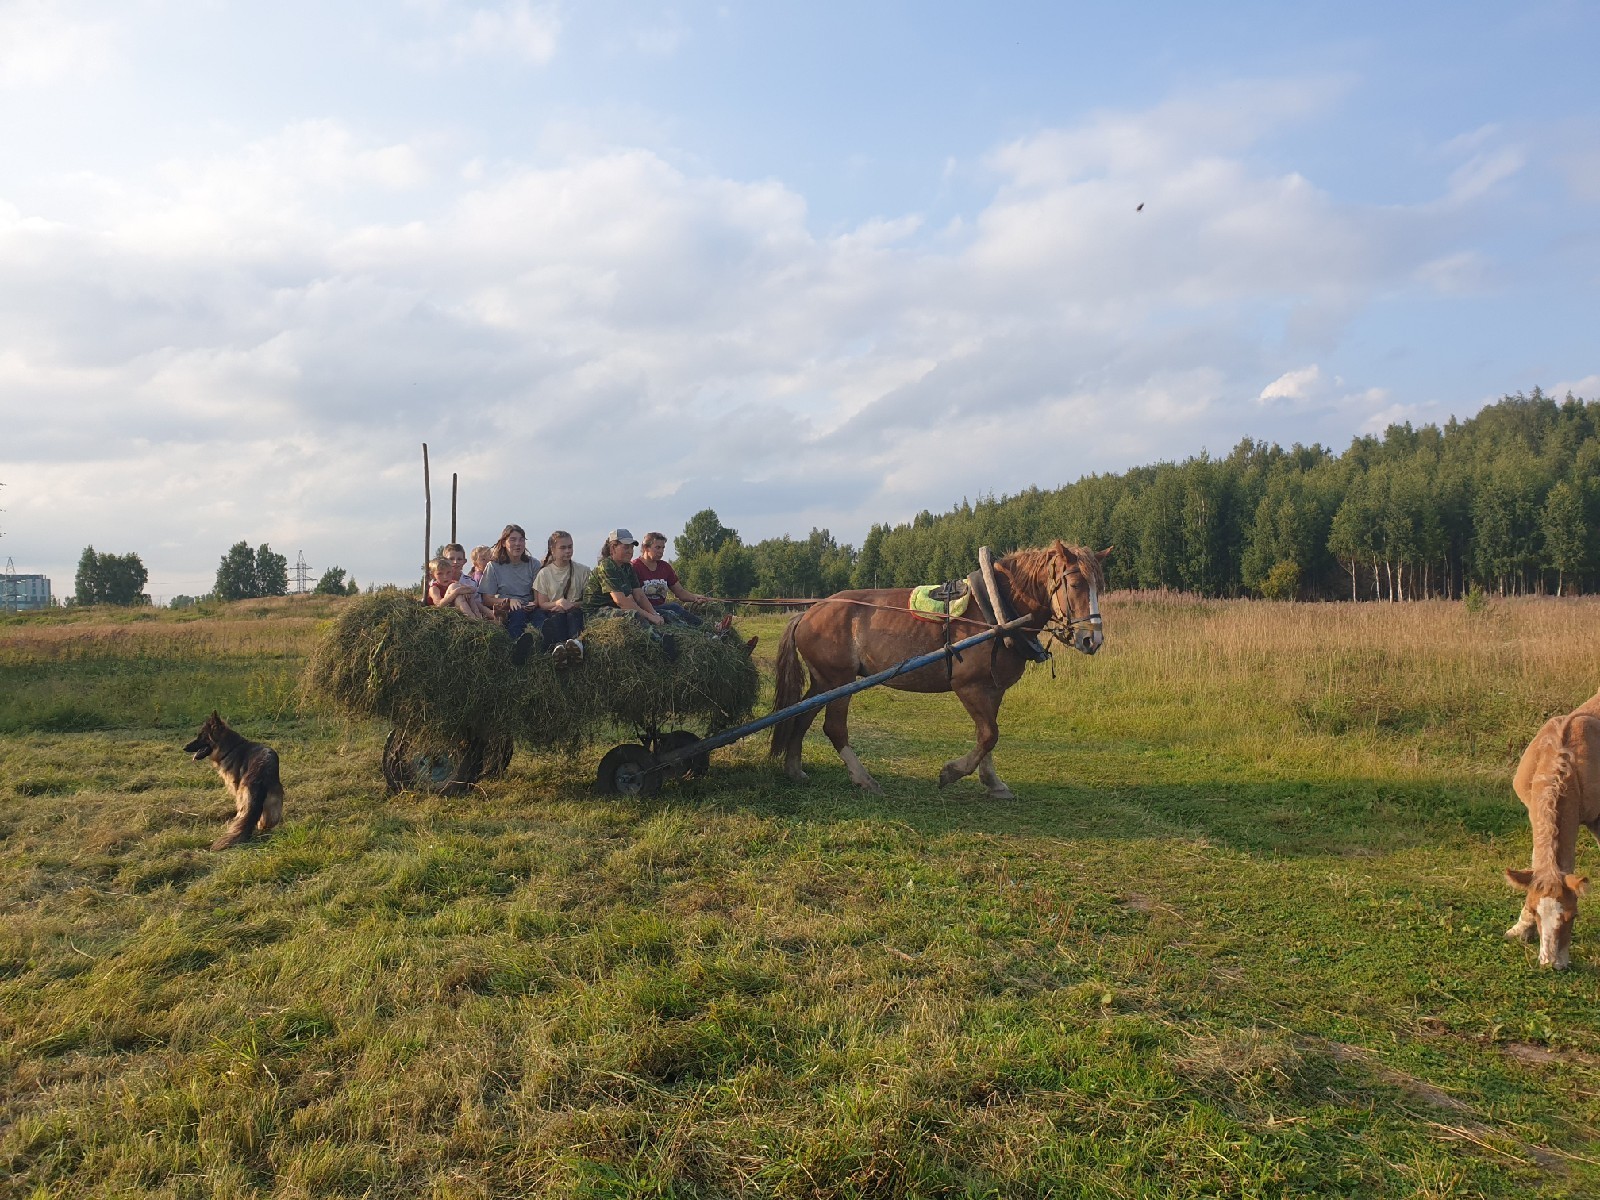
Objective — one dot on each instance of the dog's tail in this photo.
(260, 783)
(243, 825)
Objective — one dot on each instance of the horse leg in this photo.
(836, 724)
(991, 780)
(797, 737)
(983, 706)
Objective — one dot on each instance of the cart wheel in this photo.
(692, 767)
(626, 771)
(444, 772)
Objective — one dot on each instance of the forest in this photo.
(1507, 501)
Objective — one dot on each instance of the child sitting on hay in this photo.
(558, 591)
(446, 589)
(480, 563)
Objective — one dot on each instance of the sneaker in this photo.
(522, 649)
(724, 625)
(567, 654)
(750, 646)
(669, 646)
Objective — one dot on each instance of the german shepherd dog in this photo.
(251, 772)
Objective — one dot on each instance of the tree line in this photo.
(1507, 501)
(243, 574)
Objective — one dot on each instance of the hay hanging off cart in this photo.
(458, 704)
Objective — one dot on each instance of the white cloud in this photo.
(259, 340)
(42, 44)
(1587, 388)
(465, 32)
(515, 28)
(1299, 384)
(1483, 171)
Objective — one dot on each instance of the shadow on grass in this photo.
(1274, 818)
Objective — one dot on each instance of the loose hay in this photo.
(440, 677)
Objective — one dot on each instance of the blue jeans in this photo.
(675, 613)
(559, 627)
(518, 620)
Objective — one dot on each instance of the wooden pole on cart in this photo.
(453, 537)
(1002, 614)
(427, 519)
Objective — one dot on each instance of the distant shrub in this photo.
(1282, 582)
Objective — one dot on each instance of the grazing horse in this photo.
(854, 634)
(1558, 780)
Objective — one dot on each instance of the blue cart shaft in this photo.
(728, 736)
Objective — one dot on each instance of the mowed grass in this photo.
(1240, 935)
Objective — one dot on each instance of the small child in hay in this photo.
(446, 590)
(457, 554)
(480, 562)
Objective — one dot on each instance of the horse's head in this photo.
(1075, 587)
(1550, 910)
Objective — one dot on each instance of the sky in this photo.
(809, 265)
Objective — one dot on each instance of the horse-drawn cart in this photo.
(390, 658)
(459, 705)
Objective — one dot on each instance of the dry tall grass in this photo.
(1423, 679)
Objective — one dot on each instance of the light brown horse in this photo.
(854, 634)
(1558, 780)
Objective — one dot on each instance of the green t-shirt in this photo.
(607, 577)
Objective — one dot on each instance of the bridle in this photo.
(1062, 625)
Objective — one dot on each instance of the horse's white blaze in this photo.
(1551, 953)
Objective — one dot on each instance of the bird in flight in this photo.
(1140, 208)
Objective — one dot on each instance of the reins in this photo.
(1060, 625)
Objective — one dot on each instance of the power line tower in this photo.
(301, 574)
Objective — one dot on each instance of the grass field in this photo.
(1239, 935)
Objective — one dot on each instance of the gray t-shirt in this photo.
(512, 580)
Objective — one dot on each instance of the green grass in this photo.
(1239, 935)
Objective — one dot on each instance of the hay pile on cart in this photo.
(458, 705)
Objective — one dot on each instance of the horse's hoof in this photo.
(1004, 793)
(948, 775)
(797, 775)
(871, 786)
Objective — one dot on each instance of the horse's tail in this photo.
(791, 683)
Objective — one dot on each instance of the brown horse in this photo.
(854, 634)
(1558, 780)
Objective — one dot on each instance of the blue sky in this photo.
(818, 264)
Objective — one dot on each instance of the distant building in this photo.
(18, 592)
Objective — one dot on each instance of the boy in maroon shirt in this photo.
(659, 581)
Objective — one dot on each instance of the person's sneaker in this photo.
(750, 646)
(567, 654)
(724, 625)
(522, 649)
(669, 646)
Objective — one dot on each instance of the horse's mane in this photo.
(1035, 564)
